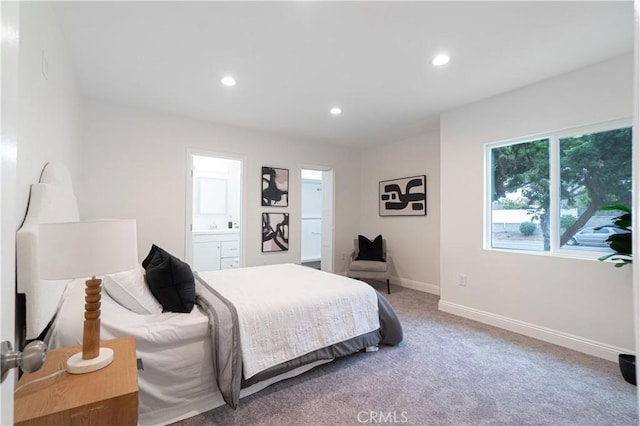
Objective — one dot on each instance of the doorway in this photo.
(316, 217)
(214, 234)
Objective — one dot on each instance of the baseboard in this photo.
(416, 285)
(580, 344)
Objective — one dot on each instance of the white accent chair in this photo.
(370, 269)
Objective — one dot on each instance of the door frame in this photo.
(188, 241)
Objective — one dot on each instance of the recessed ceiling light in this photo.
(228, 81)
(440, 60)
(336, 111)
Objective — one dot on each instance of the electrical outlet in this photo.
(462, 280)
(344, 256)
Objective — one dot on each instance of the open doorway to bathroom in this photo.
(214, 234)
(316, 235)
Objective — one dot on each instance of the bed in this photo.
(250, 327)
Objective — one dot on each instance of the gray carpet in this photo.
(448, 371)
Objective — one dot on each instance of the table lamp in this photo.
(85, 250)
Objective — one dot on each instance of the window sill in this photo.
(561, 253)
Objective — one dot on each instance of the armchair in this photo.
(371, 269)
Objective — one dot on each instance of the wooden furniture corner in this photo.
(105, 397)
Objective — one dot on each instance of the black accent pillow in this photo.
(370, 250)
(152, 252)
(170, 280)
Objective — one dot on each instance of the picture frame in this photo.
(275, 187)
(403, 197)
(275, 232)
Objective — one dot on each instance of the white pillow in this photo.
(129, 289)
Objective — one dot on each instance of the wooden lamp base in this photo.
(77, 365)
(92, 357)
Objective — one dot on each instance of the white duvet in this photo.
(286, 311)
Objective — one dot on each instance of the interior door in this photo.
(9, 21)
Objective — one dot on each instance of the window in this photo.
(546, 193)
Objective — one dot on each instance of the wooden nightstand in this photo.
(105, 397)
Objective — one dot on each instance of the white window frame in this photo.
(554, 190)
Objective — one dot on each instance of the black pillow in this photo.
(370, 250)
(170, 280)
(152, 252)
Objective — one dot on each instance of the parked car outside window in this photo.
(594, 236)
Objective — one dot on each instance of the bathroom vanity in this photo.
(216, 249)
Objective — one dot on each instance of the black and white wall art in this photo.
(403, 197)
(275, 232)
(275, 187)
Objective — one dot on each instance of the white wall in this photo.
(412, 241)
(134, 166)
(583, 304)
(48, 106)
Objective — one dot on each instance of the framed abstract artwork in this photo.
(403, 197)
(275, 232)
(275, 187)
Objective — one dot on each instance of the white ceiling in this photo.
(295, 60)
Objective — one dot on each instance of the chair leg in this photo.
(388, 287)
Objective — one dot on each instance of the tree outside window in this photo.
(594, 170)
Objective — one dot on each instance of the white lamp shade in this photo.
(87, 249)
